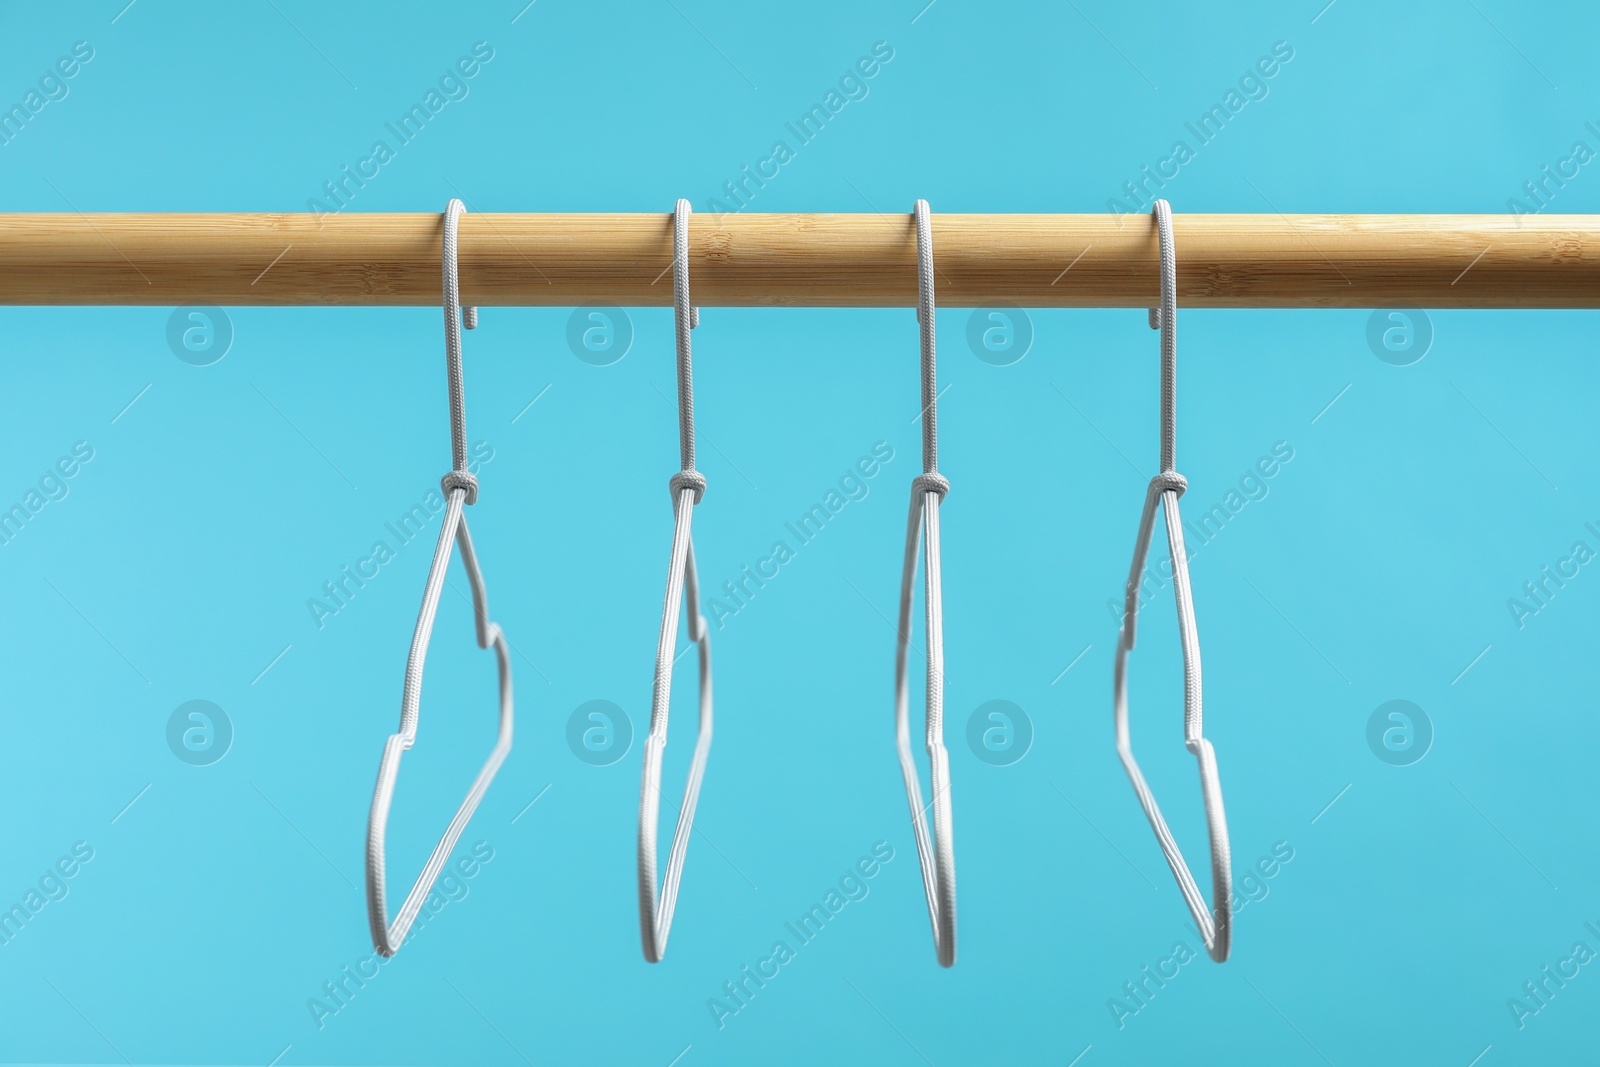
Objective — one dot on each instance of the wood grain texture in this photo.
(1238, 261)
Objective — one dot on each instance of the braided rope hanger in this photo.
(683, 585)
(936, 856)
(461, 489)
(1215, 925)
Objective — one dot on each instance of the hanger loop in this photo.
(688, 486)
(461, 489)
(1215, 926)
(935, 852)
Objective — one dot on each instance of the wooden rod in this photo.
(1237, 261)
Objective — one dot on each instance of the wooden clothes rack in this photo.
(796, 260)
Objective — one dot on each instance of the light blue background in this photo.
(1378, 568)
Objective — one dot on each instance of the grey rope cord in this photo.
(688, 486)
(454, 314)
(461, 489)
(1215, 924)
(684, 318)
(935, 851)
(1165, 319)
(930, 390)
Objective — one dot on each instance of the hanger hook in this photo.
(454, 317)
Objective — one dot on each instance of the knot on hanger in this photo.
(1169, 480)
(688, 480)
(932, 482)
(460, 480)
(1155, 318)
